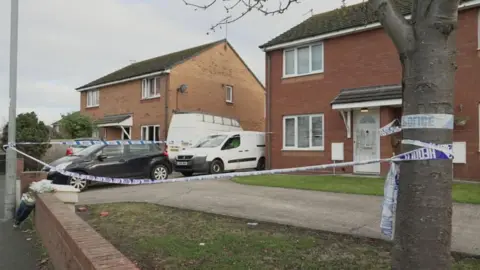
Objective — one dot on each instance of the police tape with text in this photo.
(431, 152)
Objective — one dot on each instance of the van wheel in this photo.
(260, 164)
(216, 167)
(187, 174)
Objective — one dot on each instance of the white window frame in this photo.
(93, 98)
(295, 50)
(478, 29)
(142, 128)
(228, 88)
(124, 136)
(95, 133)
(478, 106)
(295, 148)
(146, 83)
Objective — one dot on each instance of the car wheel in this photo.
(216, 166)
(260, 164)
(159, 172)
(187, 174)
(80, 184)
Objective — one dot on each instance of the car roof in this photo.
(87, 139)
(237, 132)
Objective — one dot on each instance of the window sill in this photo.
(302, 75)
(228, 102)
(150, 98)
(91, 107)
(317, 149)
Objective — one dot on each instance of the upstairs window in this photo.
(303, 60)
(151, 88)
(229, 94)
(93, 98)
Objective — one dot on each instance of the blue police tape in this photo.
(91, 142)
(417, 154)
(390, 129)
(431, 121)
(389, 204)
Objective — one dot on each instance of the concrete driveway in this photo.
(342, 213)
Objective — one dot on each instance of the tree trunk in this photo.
(427, 47)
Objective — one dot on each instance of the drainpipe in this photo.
(167, 88)
(268, 116)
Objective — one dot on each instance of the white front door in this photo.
(366, 140)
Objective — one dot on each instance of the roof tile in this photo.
(370, 93)
(157, 64)
(112, 119)
(337, 20)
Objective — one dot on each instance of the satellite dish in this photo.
(183, 88)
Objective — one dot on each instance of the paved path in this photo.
(16, 252)
(343, 213)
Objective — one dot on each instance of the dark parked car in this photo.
(119, 161)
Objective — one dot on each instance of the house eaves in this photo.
(291, 39)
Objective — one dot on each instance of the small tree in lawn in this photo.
(76, 125)
(426, 48)
(30, 129)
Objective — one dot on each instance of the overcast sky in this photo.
(64, 44)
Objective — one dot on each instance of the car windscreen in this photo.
(211, 141)
(89, 150)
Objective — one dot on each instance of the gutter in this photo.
(268, 120)
(167, 71)
(468, 5)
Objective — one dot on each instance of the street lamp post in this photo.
(11, 172)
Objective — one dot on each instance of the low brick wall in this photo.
(71, 243)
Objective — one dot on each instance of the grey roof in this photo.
(339, 19)
(111, 119)
(157, 64)
(369, 93)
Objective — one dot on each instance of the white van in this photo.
(187, 128)
(220, 152)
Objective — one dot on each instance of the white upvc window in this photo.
(151, 133)
(128, 134)
(151, 88)
(96, 133)
(229, 93)
(93, 98)
(304, 132)
(303, 60)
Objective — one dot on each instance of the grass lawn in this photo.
(462, 192)
(157, 237)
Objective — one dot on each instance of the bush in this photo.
(29, 129)
(75, 125)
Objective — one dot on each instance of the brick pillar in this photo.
(26, 178)
(20, 167)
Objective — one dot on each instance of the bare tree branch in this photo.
(248, 6)
(212, 2)
(396, 26)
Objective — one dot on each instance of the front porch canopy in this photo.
(365, 97)
(117, 120)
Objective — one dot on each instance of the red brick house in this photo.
(138, 101)
(334, 78)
